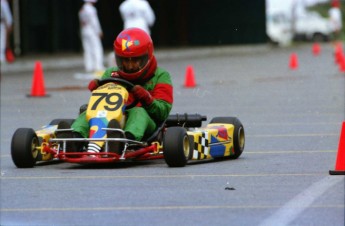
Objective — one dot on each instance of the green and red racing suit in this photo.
(141, 120)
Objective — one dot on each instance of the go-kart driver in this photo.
(153, 88)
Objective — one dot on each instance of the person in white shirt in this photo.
(91, 34)
(137, 14)
(336, 19)
(5, 28)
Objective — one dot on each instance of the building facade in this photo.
(52, 25)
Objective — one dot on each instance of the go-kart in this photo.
(177, 140)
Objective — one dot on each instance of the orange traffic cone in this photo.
(316, 49)
(338, 53)
(189, 78)
(340, 162)
(293, 61)
(342, 63)
(38, 89)
(339, 46)
(9, 55)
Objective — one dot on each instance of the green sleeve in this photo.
(107, 73)
(159, 110)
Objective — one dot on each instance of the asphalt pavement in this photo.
(62, 61)
(292, 120)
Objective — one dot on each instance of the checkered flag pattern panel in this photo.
(201, 149)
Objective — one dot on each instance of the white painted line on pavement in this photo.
(295, 135)
(292, 209)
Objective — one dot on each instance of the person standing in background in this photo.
(138, 14)
(6, 29)
(91, 34)
(336, 19)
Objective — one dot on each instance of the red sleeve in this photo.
(164, 92)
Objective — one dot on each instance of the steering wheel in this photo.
(128, 85)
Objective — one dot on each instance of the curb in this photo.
(65, 61)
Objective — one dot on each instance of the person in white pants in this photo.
(138, 14)
(5, 28)
(336, 19)
(91, 34)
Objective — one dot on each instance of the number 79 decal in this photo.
(110, 104)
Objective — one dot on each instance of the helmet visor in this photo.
(131, 64)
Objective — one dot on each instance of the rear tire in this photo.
(57, 121)
(238, 136)
(177, 147)
(24, 150)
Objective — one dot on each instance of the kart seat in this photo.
(182, 120)
(157, 135)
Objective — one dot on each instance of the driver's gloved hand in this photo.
(93, 84)
(142, 95)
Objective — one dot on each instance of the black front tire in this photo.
(177, 147)
(238, 136)
(24, 150)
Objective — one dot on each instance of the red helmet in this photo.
(135, 44)
(335, 3)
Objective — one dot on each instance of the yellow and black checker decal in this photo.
(201, 146)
